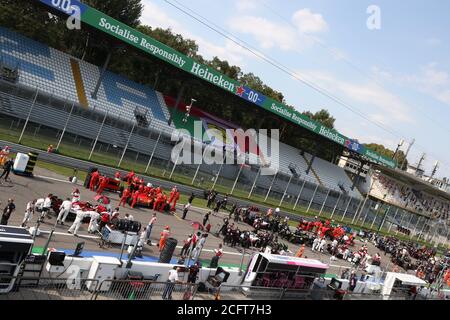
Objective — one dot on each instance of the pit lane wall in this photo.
(81, 268)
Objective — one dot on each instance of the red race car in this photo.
(112, 184)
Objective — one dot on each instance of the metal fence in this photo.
(144, 290)
(28, 288)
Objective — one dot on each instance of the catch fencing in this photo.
(29, 288)
(144, 290)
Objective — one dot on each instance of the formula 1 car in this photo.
(146, 201)
(113, 184)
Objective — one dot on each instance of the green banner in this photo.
(159, 50)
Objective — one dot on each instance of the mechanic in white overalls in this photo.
(77, 223)
(64, 210)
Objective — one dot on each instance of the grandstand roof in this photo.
(413, 181)
(153, 48)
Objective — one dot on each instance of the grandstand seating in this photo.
(56, 118)
(399, 194)
(50, 70)
(332, 176)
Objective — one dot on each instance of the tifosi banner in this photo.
(155, 48)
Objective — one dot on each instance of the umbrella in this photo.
(102, 199)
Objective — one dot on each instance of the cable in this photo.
(285, 69)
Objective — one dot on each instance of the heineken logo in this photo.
(336, 137)
(213, 77)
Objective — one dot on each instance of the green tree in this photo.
(323, 117)
(94, 46)
(187, 47)
(224, 67)
(126, 11)
(31, 21)
(257, 84)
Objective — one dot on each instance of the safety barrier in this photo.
(229, 292)
(28, 288)
(144, 290)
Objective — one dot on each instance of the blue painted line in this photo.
(90, 254)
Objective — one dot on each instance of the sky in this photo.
(381, 67)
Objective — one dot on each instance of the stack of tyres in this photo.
(169, 249)
(31, 163)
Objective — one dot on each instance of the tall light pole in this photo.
(407, 152)
(398, 148)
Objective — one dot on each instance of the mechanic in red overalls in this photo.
(130, 177)
(172, 194)
(163, 203)
(103, 182)
(125, 195)
(147, 189)
(159, 201)
(134, 196)
(176, 198)
(117, 176)
(95, 176)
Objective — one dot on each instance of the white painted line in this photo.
(69, 235)
(53, 179)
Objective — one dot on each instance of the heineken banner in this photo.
(155, 48)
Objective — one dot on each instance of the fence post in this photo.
(299, 194)
(415, 228)
(323, 204)
(98, 136)
(176, 161)
(375, 218)
(126, 146)
(237, 178)
(423, 228)
(365, 217)
(153, 152)
(283, 292)
(65, 126)
(254, 183)
(285, 191)
(29, 115)
(312, 198)
(401, 221)
(217, 176)
(335, 206)
(198, 167)
(271, 185)
(395, 216)
(346, 209)
(410, 221)
(384, 218)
